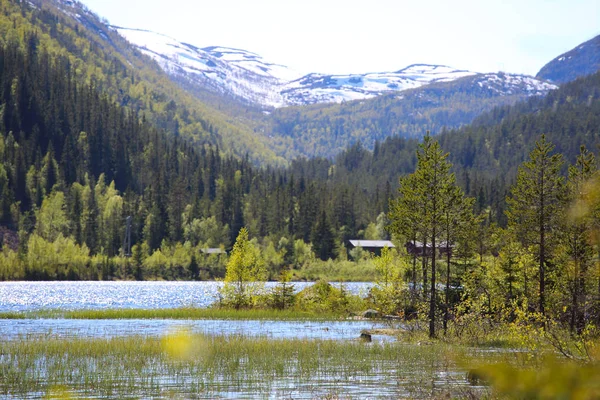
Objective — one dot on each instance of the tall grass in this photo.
(178, 313)
(195, 365)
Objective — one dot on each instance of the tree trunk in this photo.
(424, 261)
(447, 305)
(414, 271)
(542, 250)
(432, 294)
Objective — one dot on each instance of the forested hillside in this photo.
(99, 56)
(487, 153)
(75, 164)
(78, 155)
(325, 130)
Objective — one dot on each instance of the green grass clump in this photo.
(13, 315)
(184, 364)
(181, 313)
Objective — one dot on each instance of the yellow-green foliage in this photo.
(51, 219)
(10, 265)
(324, 297)
(337, 271)
(389, 293)
(552, 380)
(245, 273)
(61, 258)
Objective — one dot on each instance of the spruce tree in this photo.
(322, 238)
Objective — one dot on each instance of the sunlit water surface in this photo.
(32, 296)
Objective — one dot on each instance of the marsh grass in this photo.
(178, 313)
(210, 366)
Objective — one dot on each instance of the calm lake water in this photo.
(32, 296)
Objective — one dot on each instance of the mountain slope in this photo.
(102, 58)
(320, 88)
(232, 72)
(581, 61)
(245, 76)
(326, 129)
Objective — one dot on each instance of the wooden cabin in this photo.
(415, 248)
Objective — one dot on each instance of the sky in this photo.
(349, 36)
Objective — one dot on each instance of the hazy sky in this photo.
(348, 36)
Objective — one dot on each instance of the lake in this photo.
(33, 296)
(406, 375)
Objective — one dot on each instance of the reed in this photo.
(183, 364)
(179, 313)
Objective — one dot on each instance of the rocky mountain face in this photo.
(248, 77)
(581, 61)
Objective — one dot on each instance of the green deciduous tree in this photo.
(51, 218)
(245, 274)
(388, 291)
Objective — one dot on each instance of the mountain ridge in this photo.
(582, 60)
(256, 81)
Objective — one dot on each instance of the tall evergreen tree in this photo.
(322, 238)
(433, 183)
(578, 227)
(535, 205)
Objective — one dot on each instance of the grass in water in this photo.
(176, 313)
(183, 364)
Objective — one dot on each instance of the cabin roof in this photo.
(214, 251)
(372, 243)
(437, 244)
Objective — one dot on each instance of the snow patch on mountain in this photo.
(247, 76)
(319, 88)
(225, 70)
(508, 84)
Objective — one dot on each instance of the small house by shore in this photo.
(415, 248)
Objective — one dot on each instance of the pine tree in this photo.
(404, 220)
(458, 222)
(535, 205)
(578, 228)
(432, 185)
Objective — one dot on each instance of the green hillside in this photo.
(98, 56)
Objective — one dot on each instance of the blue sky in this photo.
(347, 36)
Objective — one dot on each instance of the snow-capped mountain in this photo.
(319, 88)
(229, 71)
(247, 76)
